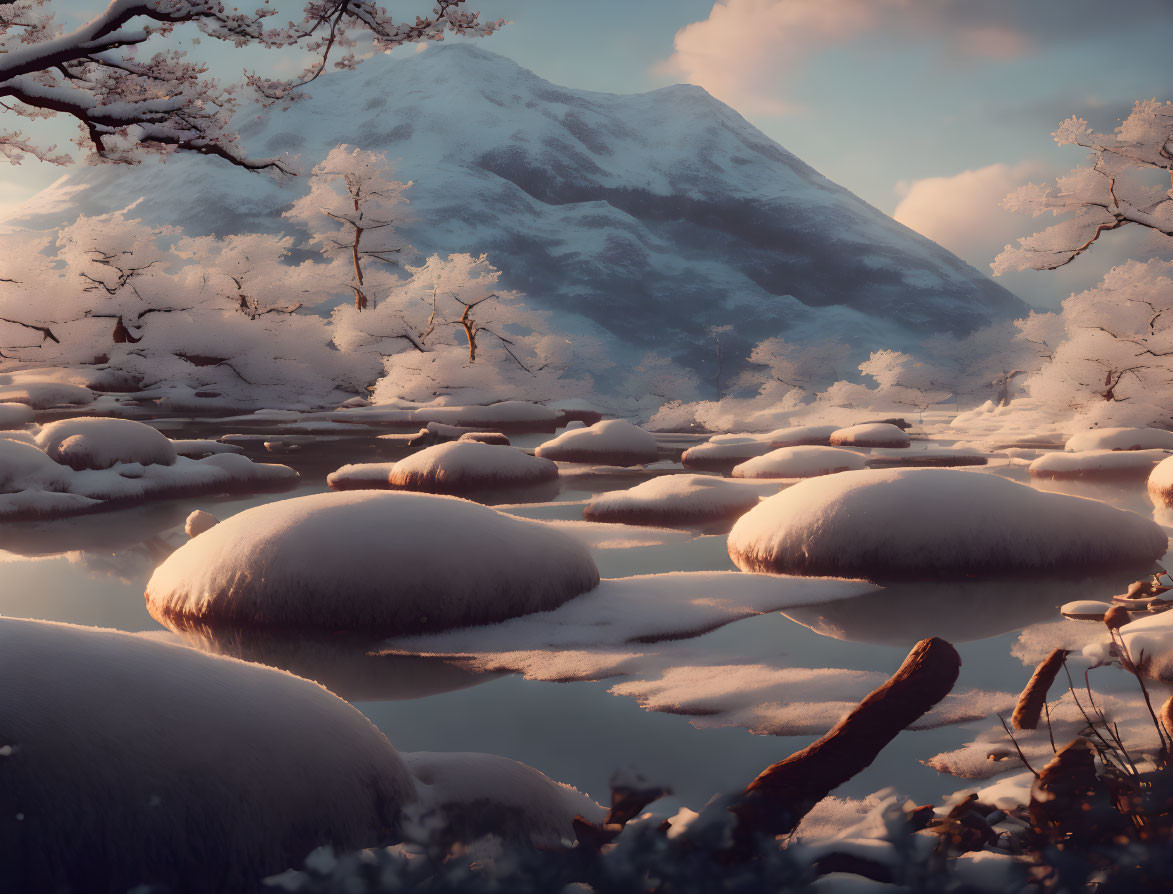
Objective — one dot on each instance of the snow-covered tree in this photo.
(779, 367)
(128, 101)
(989, 363)
(1115, 365)
(1127, 182)
(352, 211)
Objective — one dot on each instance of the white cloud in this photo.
(963, 212)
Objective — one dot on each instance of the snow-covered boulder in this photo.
(800, 462)
(361, 476)
(24, 466)
(91, 442)
(673, 501)
(612, 442)
(130, 762)
(912, 523)
(722, 455)
(801, 435)
(14, 415)
(482, 794)
(1160, 483)
(1097, 464)
(1121, 439)
(198, 522)
(486, 437)
(42, 395)
(461, 466)
(870, 434)
(371, 563)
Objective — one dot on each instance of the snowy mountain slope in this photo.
(642, 218)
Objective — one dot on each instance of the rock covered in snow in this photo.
(14, 415)
(361, 476)
(150, 763)
(1121, 439)
(370, 563)
(1101, 464)
(904, 523)
(486, 437)
(673, 501)
(91, 442)
(43, 395)
(801, 436)
(462, 466)
(722, 455)
(800, 462)
(1160, 483)
(25, 466)
(198, 522)
(612, 442)
(870, 434)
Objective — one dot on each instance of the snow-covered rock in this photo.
(673, 501)
(870, 434)
(91, 442)
(25, 466)
(1121, 439)
(198, 522)
(802, 435)
(905, 523)
(486, 437)
(1160, 483)
(15, 415)
(613, 211)
(800, 462)
(150, 763)
(612, 442)
(42, 395)
(722, 455)
(1098, 464)
(370, 563)
(361, 476)
(461, 466)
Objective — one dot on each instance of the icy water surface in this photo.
(93, 570)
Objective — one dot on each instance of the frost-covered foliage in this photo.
(127, 103)
(352, 210)
(1115, 365)
(1126, 182)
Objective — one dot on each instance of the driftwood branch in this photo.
(775, 802)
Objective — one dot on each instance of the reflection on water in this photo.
(93, 570)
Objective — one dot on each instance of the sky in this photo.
(931, 110)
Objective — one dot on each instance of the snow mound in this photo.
(906, 523)
(90, 442)
(612, 442)
(673, 500)
(358, 476)
(722, 455)
(14, 415)
(198, 522)
(462, 466)
(1150, 643)
(508, 415)
(801, 436)
(486, 437)
(800, 462)
(1160, 483)
(870, 434)
(148, 761)
(43, 395)
(371, 563)
(1097, 464)
(483, 794)
(1121, 439)
(23, 466)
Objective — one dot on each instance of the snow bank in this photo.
(13, 415)
(722, 455)
(90, 442)
(613, 442)
(672, 500)
(800, 462)
(24, 466)
(483, 794)
(43, 395)
(508, 415)
(914, 523)
(462, 466)
(1100, 464)
(1121, 439)
(801, 435)
(369, 563)
(148, 763)
(870, 434)
(1160, 483)
(358, 476)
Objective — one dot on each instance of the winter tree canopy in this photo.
(128, 101)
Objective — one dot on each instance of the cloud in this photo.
(963, 211)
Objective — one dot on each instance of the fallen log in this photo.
(1034, 696)
(777, 800)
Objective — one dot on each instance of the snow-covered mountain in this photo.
(642, 218)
